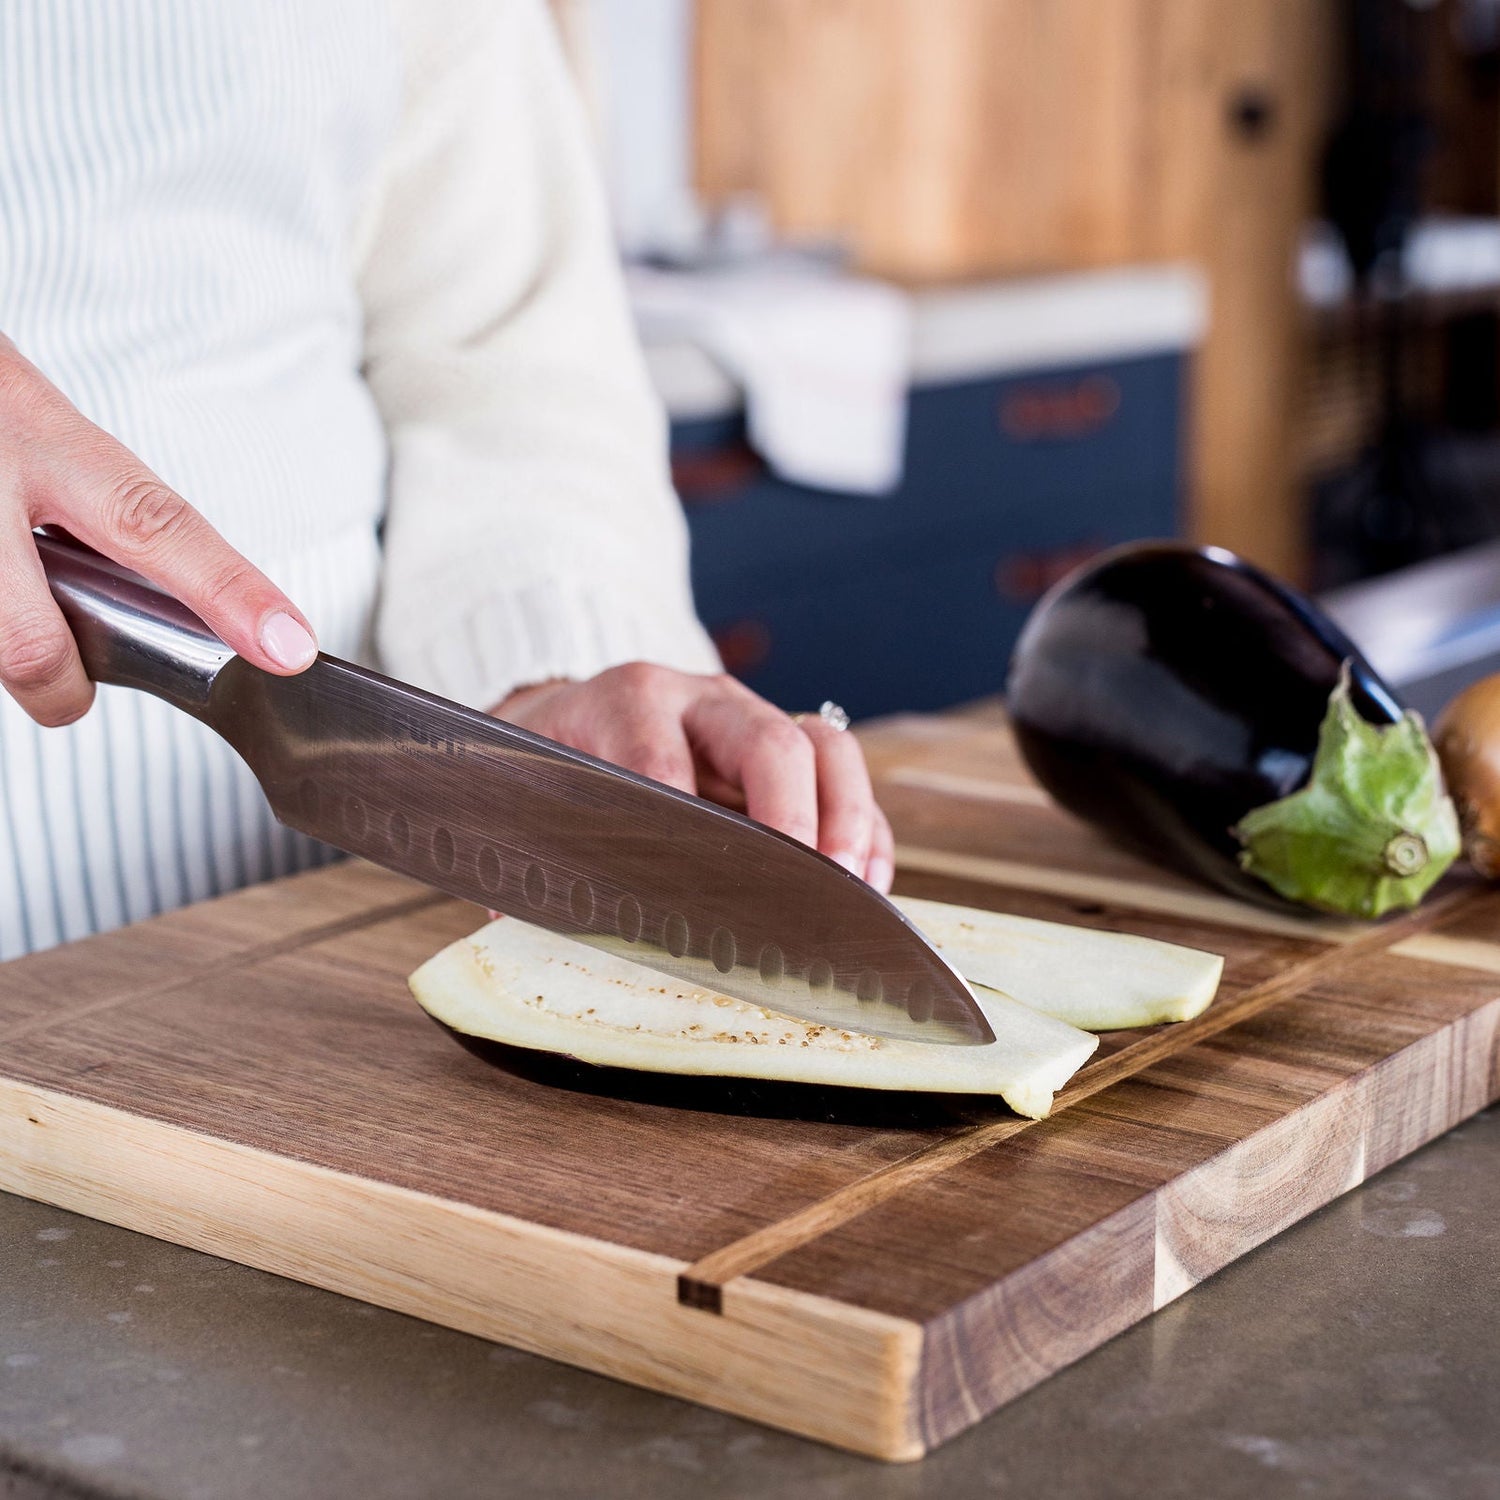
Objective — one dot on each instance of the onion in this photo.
(1467, 740)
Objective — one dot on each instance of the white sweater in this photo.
(531, 530)
(338, 270)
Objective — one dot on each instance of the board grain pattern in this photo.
(251, 1077)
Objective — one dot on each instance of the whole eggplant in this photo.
(1215, 720)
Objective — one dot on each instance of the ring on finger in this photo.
(829, 712)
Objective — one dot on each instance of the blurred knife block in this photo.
(962, 139)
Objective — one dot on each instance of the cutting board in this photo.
(250, 1077)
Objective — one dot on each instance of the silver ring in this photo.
(829, 712)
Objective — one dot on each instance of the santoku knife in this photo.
(513, 821)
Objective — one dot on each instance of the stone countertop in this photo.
(1355, 1355)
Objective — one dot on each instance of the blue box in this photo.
(1015, 471)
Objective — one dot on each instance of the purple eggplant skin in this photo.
(764, 1098)
(1162, 691)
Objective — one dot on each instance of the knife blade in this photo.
(513, 821)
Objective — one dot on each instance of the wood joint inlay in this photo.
(1130, 895)
(701, 1284)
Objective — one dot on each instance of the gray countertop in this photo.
(1356, 1355)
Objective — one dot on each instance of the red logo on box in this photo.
(1059, 409)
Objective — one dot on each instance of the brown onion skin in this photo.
(1467, 740)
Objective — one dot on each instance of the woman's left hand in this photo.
(714, 737)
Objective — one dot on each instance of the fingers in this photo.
(629, 715)
(714, 736)
(753, 746)
(881, 870)
(641, 723)
(654, 745)
(846, 802)
(39, 662)
(808, 780)
(58, 469)
(122, 510)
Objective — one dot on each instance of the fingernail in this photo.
(852, 863)
(287, 641)
(881, 873)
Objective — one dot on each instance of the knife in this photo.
(516, 822)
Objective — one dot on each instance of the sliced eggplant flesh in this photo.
(519, 986)
(1098, 981)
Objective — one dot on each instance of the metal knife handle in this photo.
(129, 633)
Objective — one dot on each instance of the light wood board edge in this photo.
(1051, 1313)
(807, 1364)
(1457, 952)
(1113, 890)
(970, 788)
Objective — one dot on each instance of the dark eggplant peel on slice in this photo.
(1216, 721)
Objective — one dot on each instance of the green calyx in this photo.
(1372, 830)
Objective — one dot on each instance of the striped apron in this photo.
(178, 185)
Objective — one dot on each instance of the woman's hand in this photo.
(713, 736)
(58, 469)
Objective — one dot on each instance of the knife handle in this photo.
(129, 633)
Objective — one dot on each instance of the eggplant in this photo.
(1216, 721)
(522, 986)
(759, 1098)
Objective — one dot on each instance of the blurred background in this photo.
(944, 296)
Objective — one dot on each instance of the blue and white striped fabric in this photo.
(178, 184)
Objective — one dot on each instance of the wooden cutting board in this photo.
(250, 1077)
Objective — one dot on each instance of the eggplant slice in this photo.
(514, 986)
(518, 984)
(1097, 981)
(757, 1098)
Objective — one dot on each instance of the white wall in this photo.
(641, 66)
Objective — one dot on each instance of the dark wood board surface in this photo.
(251, 1076)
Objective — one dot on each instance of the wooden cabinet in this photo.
(958, 139)
(943, 138)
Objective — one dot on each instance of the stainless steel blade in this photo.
(510, 820)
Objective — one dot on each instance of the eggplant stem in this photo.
(1371, 829)
(1405, 854)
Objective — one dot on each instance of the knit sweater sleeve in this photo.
(531, 529)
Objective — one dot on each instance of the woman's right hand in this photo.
(58, 469)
